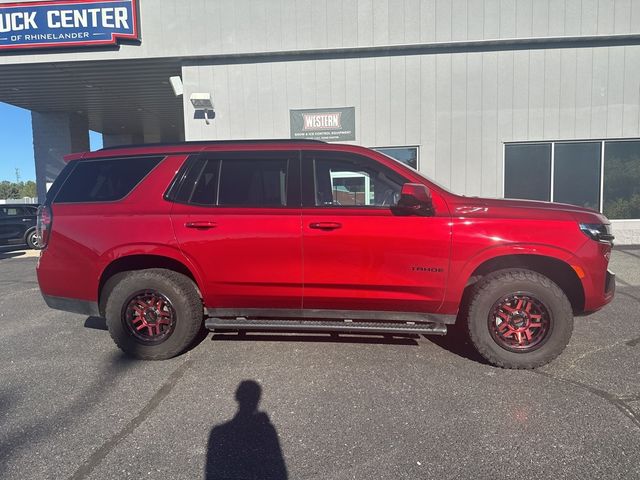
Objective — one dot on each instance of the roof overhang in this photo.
(117, 96)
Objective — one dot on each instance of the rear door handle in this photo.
(201, 225)
(325, 225)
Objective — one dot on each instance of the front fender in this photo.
(463, 268)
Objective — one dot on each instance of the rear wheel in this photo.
(153, 314)
(31, 239)
(519, 319)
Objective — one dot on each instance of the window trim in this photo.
(601, 140)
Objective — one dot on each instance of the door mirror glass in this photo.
(415, 199)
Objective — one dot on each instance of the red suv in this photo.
(164, 241)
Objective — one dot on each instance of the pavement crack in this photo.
(618, 402)
(101, 453)
(633, 342)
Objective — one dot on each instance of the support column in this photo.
(54, 136)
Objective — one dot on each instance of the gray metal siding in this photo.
(459, 108)
(178, 28)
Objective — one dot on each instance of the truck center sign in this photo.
(56, 24)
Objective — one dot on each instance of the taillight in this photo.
(43, 228)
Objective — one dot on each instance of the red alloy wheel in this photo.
(149, 316)
(519, 323)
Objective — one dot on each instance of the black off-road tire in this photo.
(184, 298)
(507, 282)
(31, 239)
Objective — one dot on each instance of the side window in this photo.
(13, 211)
(354, 181)
(236, 181)
(258, 183)
(104, 180)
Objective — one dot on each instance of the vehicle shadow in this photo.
(457, 342)
(247, 446)
(96, 323)
(319, 337)
(11, 251)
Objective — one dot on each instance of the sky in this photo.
(16, 143)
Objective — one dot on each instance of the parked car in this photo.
(163, 240)
(18, 224)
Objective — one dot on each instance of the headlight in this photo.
(597, 231)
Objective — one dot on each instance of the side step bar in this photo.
(242, 323)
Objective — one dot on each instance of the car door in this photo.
(14, 222)
(237, 218)
(358, 255)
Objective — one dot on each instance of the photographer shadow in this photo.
(247, 446)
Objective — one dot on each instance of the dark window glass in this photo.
(187, 183)
(206, 185)
(355, 181)
(259, 182)
(14, 211)
(527, 171)
(622, 180)
(576, 174)
(104, 180)
(406, 155)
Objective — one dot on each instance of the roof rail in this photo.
(215, 142)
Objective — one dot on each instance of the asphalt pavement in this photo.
(332, 407)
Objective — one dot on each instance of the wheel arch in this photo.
(143, 261)
(557, 270)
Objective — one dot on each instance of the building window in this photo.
(527, 170)
(601, 175)
(406, 155)
(576, 174)
(622, 179)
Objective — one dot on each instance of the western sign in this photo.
(328, 124)
(56, 24)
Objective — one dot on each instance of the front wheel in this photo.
(153, 314)
(519, 319)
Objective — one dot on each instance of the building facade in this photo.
(517, 98)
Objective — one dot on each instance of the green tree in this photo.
(28, 189)
(9, 190)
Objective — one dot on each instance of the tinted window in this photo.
(206, 183)
(354, 181)
(104, 180)
(622, 180)
(12, 211)
(576, 174)
(248, 182)
(527, 171)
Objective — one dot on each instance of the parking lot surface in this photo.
(347, 407)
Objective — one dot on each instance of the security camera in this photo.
(202, 101)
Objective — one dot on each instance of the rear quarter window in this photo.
(104, 180)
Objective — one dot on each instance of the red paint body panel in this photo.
(273, 258)
(250, 258)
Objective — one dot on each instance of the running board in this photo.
(242, 323)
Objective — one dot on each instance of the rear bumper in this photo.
(73, 305)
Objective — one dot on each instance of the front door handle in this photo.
(325, 225)
(200, 225)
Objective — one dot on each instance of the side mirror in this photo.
(415, 199)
